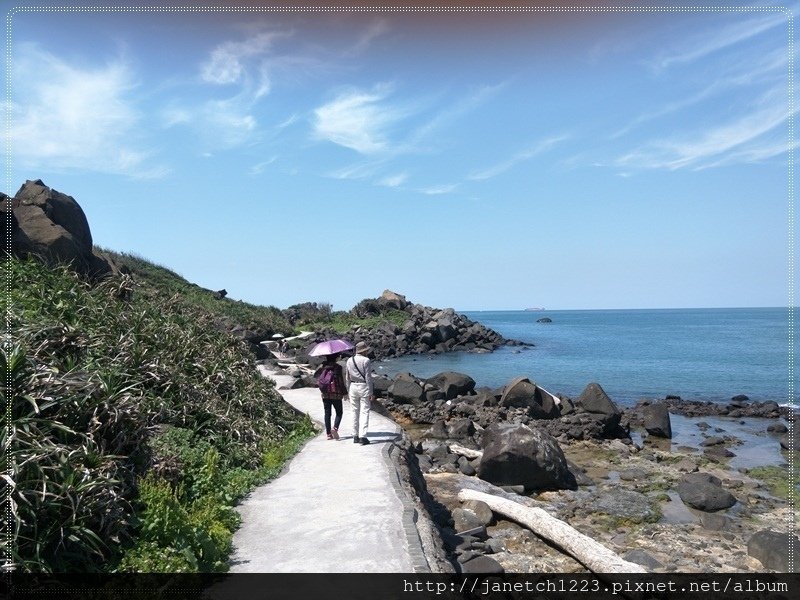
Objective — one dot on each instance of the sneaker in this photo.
(356, 440)
(330, 436)
(335, 433)
(364, 442)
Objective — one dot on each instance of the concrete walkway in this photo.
(338, 508)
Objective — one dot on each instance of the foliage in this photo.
(343, 322)
(113, 391)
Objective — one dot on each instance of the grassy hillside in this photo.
(133, 422)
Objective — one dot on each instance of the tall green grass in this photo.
(132, 422)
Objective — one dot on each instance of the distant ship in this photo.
(536, 308)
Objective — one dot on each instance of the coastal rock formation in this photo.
(52, 226)
(520, 455)
(739, 408)
(424, 330)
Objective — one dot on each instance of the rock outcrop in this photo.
(424, 330)
(52, 226)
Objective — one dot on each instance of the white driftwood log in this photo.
(596, 557)
(468, 452)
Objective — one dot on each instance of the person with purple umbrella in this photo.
(331, 385)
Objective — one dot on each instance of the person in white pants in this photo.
(358, 378)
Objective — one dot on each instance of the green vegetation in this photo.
(133, 420)
(778, 480)
(343, 322)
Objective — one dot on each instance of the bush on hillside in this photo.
(117, 393)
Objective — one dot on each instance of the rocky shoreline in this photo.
(612, 474)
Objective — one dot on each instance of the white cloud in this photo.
(738, 141)
(357, 120)
(260, 167)
(437, 190)
(226, 64)
(288, 121)
(375, 30)
(394, 180)
(69, 117)
(533, 150)
(709, 42)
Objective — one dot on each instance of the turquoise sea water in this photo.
(698, 354)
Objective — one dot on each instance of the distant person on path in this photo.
(358, 378)
(284, 347)
(332, 386)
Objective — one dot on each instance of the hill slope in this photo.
(133, 420)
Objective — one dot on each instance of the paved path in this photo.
(338, 508)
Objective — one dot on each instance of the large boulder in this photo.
(704, 492)
(452, 384)
(773, 549)
(789, 441)
(656, 420)
(594, 400)
(524, 393)
(406, 391)
(519, 455)
(394, 300)
(52, 226)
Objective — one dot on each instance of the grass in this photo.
(344, 322)
(133, 420)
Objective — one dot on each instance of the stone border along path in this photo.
(338, 507)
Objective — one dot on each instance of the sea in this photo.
(708, 354)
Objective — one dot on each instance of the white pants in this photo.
(359, 406)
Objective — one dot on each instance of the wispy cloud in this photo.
(533, 150)
(259, 168)
(709, 42)
(373, 31)
(737, 141)
(69, 117)
(227, 62)
(437, 190)
(461, 106)
(358, 120)
(394, 180)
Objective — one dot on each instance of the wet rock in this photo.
(714, 521)
(623, 504)
(704, 492)
(773, 549)
(777, 428)
(656, 421)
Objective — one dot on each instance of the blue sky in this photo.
(480, 161)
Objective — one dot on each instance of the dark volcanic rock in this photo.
(704, 492)
(773, 549)
(52, 226)
(656, 420)
(595, 401)
(524, 393)
(452, 384)
(404, 391)
(519, 455)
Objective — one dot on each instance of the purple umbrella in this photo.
(330, 347)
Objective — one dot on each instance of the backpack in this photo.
(327, 381)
